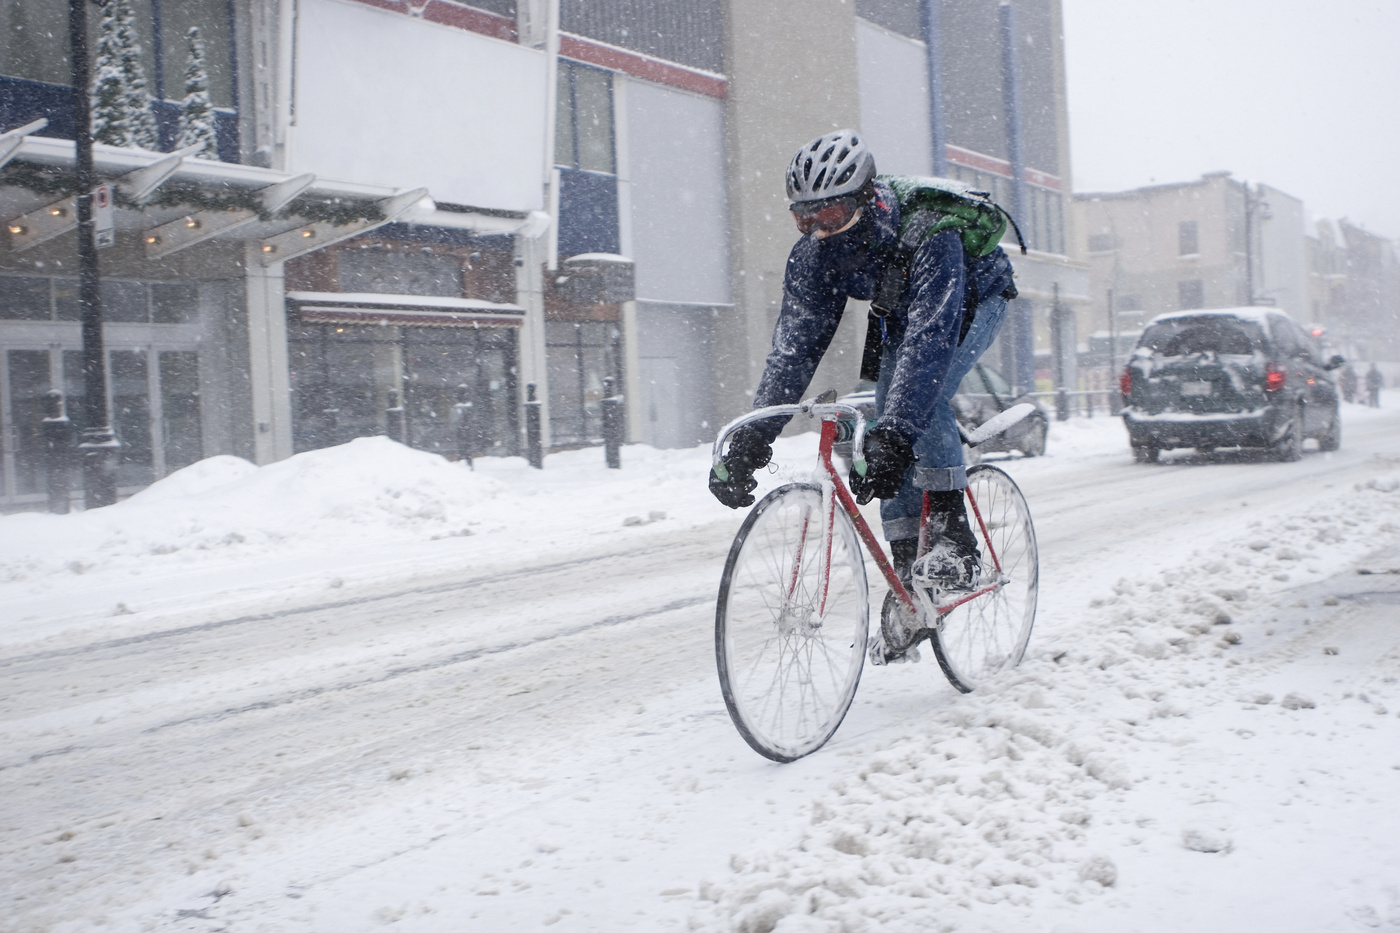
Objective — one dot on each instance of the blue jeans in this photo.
(939, 449)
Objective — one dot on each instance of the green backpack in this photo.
(928, 206)
(932, 205)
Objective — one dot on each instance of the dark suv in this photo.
(1236, 377)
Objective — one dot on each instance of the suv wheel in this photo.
(1145, 453)
(1331, 439)
(1290, 447)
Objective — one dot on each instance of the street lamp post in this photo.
(99, 445)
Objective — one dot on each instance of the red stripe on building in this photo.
(393, 6)
(642, 66)
(488, 24)
(986, 163)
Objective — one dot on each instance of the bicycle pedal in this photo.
(879, 657)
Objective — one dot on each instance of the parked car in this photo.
(1234, 377)
(983, 395)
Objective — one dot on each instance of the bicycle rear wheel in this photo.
(989, 634)
(790, 639)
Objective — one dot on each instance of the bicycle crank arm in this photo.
(944, 608)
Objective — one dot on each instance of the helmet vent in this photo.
(817, 182)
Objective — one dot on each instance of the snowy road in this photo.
(542, 742)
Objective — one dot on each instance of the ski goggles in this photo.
(829, 215)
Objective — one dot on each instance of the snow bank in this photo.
(368, 489)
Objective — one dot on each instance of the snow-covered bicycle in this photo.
(793, 618)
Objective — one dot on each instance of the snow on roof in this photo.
(1255, 314)
(380, 300)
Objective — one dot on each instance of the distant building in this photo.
(1211, 243)
(1355, 279)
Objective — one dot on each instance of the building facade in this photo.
(421, 208)
(1211, 243)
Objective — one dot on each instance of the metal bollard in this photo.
(394, 418)
(533, 449)
(1061, 404)
(462, 426)
(612, 426)
(58, 451)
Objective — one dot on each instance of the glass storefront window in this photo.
(342, 377)
(29, 381)
(124, 302)
(181, 426)
(212, 18)
(174, 303)
(131, 416)
(581, 354)
(34, 42)
(24, 298)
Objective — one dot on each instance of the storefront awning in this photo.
(365, 308)
(174, 201)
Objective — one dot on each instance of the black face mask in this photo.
(857, 254)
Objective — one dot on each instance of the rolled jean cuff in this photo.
(940, 479)
(906, 526)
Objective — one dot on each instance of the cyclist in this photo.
(950, 311)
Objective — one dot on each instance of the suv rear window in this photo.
(1186, 336)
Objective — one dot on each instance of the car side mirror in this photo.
(1335, 362)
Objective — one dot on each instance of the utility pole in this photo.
(99, 446)
(1248, 245)
(1019, 310)
(1115, 400)
(932, 29)
(1253, 204)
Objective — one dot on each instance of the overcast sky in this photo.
(1303, 95)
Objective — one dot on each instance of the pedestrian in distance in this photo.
(937, 306)
(1347, 382)
(1374, 381)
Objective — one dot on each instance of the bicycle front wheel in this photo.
(989, 634)
(791, 623)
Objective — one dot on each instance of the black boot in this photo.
(902, 554)
(953, 561)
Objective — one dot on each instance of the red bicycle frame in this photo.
(843, 495)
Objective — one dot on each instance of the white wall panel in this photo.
(893, 75)
(387, 99)
(680, 217)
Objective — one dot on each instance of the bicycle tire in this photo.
(789, 667)
(989, 634)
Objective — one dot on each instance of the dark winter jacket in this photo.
(822, 274)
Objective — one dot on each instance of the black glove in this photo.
(888, 456)
(747, 452)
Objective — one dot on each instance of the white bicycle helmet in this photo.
(830, 166)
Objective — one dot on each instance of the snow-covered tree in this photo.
(121, 108)
(197, 109)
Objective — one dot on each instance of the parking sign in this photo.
(103, 216)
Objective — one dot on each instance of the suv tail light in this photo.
(1275, 375)
(1125, 381)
